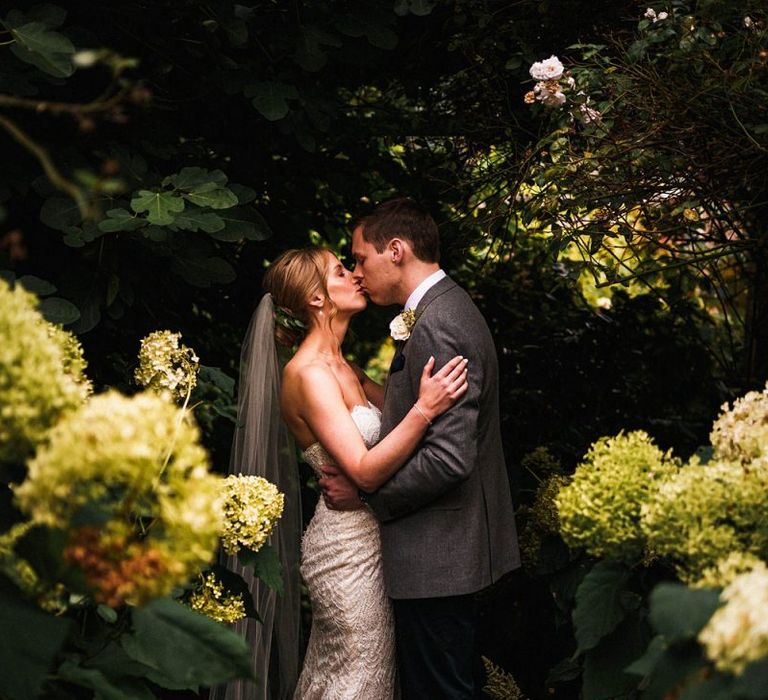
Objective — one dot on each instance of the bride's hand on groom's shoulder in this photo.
(339, 493)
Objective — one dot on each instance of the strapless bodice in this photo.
(368, 422)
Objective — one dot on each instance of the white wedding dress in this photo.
(351, 653)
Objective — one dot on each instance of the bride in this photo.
(332, 410)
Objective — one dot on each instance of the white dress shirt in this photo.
(418, 294)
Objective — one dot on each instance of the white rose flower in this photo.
(549, 95)
(748, 22)
(650, 13)
(551, 69)
(662, 16)
(399, 328)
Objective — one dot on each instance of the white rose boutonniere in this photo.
(401, 325)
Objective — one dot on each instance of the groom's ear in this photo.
(396, 248)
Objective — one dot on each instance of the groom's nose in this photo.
(357, 273)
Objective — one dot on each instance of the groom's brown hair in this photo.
(406, 219)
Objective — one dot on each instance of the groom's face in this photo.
(373, 270)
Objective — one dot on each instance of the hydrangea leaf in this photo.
(31, 648)
(679, 612)
(752, 683)
(161, 207)
(599, 606)
(105, 688)
(265, 565)
(604, 666)
(212, 653)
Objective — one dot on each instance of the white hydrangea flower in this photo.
(737, 634)
(550, 69)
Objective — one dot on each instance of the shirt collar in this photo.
(418, 294)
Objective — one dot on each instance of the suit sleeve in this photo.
(448, 451)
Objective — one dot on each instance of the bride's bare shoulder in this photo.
(303, 372)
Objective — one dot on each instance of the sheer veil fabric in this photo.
(263, 446)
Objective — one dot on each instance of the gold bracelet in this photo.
(416, 406)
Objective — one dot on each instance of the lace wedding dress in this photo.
(351, 651)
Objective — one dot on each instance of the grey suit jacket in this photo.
(447, 524)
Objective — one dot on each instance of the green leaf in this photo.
(121, 220)
(58, 310)
(186, 648)
(30, 641)
(679, 612)
(271, 98)
(104, 688)
(204, 271)
(161, 207)
(49, 51)
(752, 684)
(243, 222)
(265, 565)
(221, 198)
(599, 606)
(604, 675)
(244, 194)
(372, 25)
(60, 212)
(196, 220)
(199, 179)
(421, 8)
(36, 285)
(215, 376)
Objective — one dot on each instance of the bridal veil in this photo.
(262, 446)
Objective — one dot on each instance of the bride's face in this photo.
(344, 291)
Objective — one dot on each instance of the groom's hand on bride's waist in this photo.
(339, 492)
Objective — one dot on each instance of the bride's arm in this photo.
(326, 414)
(374, 391)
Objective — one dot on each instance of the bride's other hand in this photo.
(339, 493)
(439, 391)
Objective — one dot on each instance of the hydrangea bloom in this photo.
(550, 69)
(41, 374)
(727, 569)
(165, 365)
(541, 519)
(704, 512)
(600, 509)
(129, 480)
(213, 600)
(737, 633)
(740, 434)
(252, 506)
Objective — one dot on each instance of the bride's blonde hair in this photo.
(292, 279)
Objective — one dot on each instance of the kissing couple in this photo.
(416, 516)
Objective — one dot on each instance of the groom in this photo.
(447, 525)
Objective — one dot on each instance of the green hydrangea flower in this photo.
(726, 570)
(252, 506)
(740, 434)
(737, 633)
(600, 509)
(41, 374)
(128, 478)
(705, 512)
(166, 365)
(212, 599)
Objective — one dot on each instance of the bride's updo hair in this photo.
(291, 280)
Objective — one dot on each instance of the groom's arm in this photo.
(448, 452)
